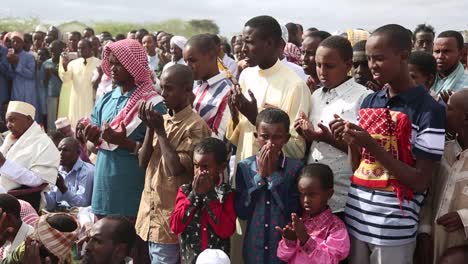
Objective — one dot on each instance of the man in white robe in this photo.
(28, 156)
(80, 72)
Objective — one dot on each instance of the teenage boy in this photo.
(394, 150)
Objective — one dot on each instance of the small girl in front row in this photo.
(319, 236)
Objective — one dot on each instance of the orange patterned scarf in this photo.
(392, 131)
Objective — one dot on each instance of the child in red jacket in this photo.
(204, 214)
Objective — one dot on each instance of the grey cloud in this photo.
(231, 15)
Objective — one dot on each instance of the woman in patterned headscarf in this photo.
(117, 132)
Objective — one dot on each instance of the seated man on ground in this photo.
(74, 185)
(28, 156)
(51, 242)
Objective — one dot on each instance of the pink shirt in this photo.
(328, 242)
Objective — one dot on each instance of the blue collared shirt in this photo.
(79, 182)
(265, 203)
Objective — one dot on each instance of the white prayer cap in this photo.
(179, 41)
(62, 122)
(21, 108)
(213, 256)
(284, 33)
(41, 28)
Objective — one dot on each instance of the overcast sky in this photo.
(230, 15)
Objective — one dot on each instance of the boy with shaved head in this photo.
(394, 149)
(167, 157)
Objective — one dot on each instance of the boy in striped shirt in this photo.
(211, 95)
(394, 150)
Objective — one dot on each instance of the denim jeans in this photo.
(164, 253)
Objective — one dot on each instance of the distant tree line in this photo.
(174, 26)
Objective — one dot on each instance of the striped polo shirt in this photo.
(211, 103)
(375, 216)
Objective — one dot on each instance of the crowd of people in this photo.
(279, 145)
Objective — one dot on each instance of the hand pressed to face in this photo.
(207, 172)
(270, 138)
(202, 182)
(268, 160)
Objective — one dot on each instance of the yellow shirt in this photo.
(278, 86)
(185, 129)
(64, 99)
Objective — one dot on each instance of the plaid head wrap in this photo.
(58, 243)
(292, 53)
(132, 56)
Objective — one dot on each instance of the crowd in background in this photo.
(277, 145)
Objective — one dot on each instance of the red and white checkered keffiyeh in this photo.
(28, 213)
(292, 53)
(132, 56)
(58, 243)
